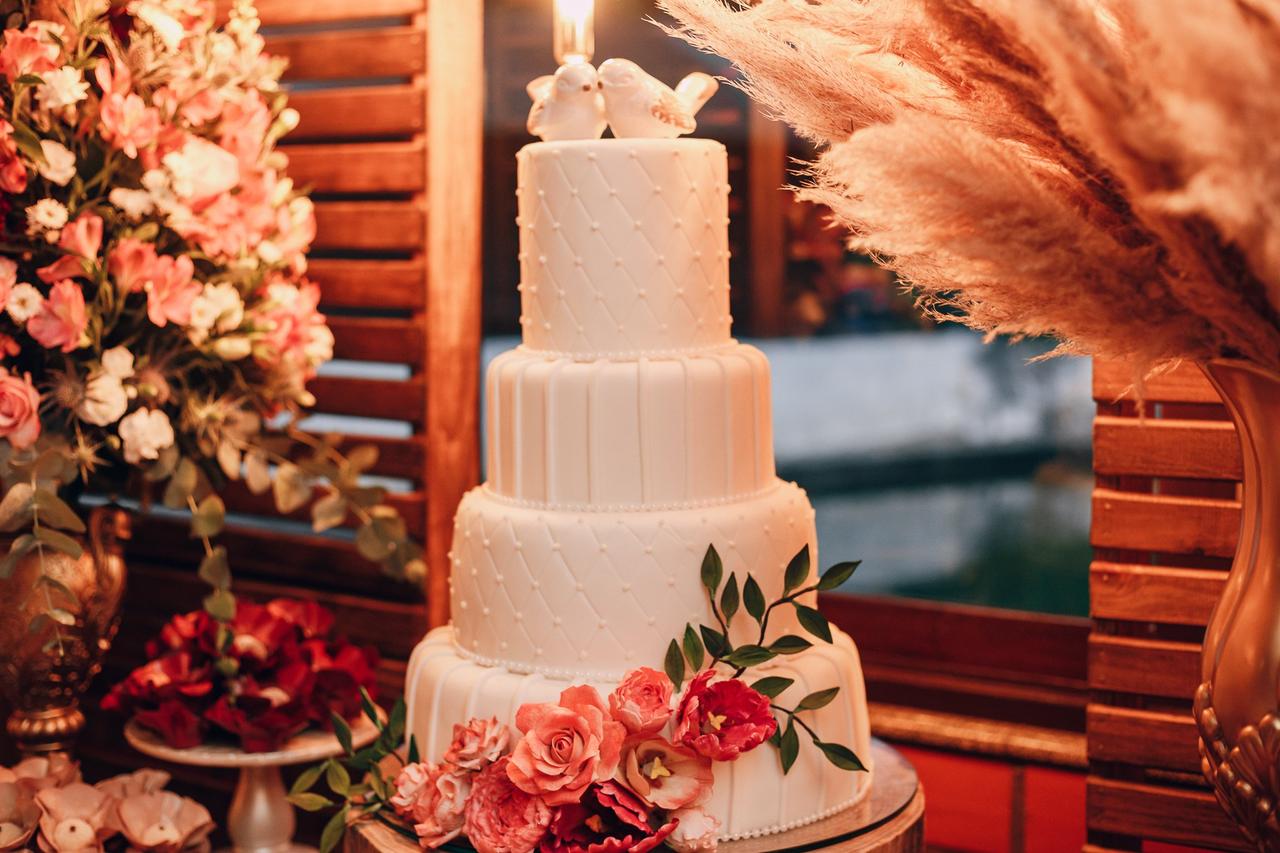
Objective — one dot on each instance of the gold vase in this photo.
(42, 674)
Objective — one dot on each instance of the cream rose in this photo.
(145, 433)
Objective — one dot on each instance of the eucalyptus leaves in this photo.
(707, 647)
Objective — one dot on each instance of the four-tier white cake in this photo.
(625, 435)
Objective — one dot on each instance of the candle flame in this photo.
(574, 30)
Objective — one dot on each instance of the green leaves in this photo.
(693, 651)
(749, 656)
(221, 605)
(334, 829)
(753, 599)
(209, 517)
(818, 699)
(291, 488)
(182, 485)
(772, 686)
(712, 570)
(28, 142)
(15, 507)
(797, 571)
(717, 644)
(55, 512)
(789, 644)
(840, 756)
(813, 622)
(837, 575)
(309, 802)
(789, 746)
(729, 599)
(214, 569)
(307, 779)
(329, 511)
(674, 664)
(59, 542)
(378, 539)
(342, 731)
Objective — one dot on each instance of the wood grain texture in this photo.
(359, 168)
(1166, 448)
(370, 284)
(1174, 815)
(1114, 380)
(455, 145)
(370, 398)
(1148, 667)
(767, 154)
(1143, 738)
(1153, 593)
(290, 12)
(1173, 525)
(351, 54)
(369, 226)
(386, 339)
(366, 112)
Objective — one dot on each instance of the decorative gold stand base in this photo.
(44, 731)
(1243, 777)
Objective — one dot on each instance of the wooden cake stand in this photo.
(889, 820)
(260, 818)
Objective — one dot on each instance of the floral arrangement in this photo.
(156, 322)
(1094, 170)
(45, 805)
(261, 677)
(626, 773)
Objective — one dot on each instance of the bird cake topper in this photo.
(578, 101)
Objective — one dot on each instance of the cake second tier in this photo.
(591, 595)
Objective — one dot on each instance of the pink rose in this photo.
(501, 818)
(663, 774)
(724, 719)
(478, 744)
(642, 701)
(132, 264)
(62, 318)
(81, 239)
(566, 746)
(433, 799)
(171, 290)
(19, 410)
(696, 831)
(610, 819)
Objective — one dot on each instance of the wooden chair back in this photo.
(1165, 523)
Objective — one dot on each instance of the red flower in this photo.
(262, 721)
(175, 722)
(174, 676)
(500, 818)
(723, 720)
(339, 670)
(186, 632)
(609, 819)
(258, 636)
(307, 616)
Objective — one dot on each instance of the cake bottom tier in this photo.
(751, 796)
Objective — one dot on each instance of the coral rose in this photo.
(565, 746)
(723, 719)
(478, 744)
(433, 799)
(501, 818)
(19, 409)
(696, 831)
(642, 701)
(663, 774)
(62, 318)
(610, 819)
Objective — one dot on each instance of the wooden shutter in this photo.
(1165, 521)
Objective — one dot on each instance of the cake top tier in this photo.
(624, 246)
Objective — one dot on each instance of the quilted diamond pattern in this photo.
(624, 248)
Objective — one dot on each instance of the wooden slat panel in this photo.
(1167, 524)
(1143, 738)
(371, 167)
(378, 339)
(1149, 667)
(372, 226)
(1153, 593)
(238, 498)
(352, 54)
(362, 113)
(369, 398)
(288, 12)
(1183, 384)
(369, 284)
(1166, 448)
(1177, 815)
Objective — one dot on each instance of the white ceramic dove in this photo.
(639, 105)
(567, 105)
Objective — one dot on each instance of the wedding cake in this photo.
(627, 434)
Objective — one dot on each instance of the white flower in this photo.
(163, 24)
(62, 87)
(24, 303)
(233, 347)
(59, 163)
(218, 305)
(135, 204)
(48, 214)
(118, 362)
(695, 832)
(200, 169)
(145, 433)
(269, 252)
(105, 400)
(319, 348)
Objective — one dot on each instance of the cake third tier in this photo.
(624, 246)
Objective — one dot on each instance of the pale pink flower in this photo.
(19, 815)
(132, 264)
(201, 170)
(127, 122)
(296, 337)
(62, 318)
(25, 52)
(13, 172)
(245, 123)
(433, 798)
(162, 821)
(82, 238)
(696, 831)
(663, 774)
(8, 346)
(74, 818)
(8, 278)
(171, 290)
(478, 744)
(145, 432)
(642, 702)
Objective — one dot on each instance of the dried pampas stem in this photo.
(1101, 171)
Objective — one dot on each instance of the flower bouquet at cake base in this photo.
(157, 328)
(46, 805)
(628, 772)
(267, 674)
